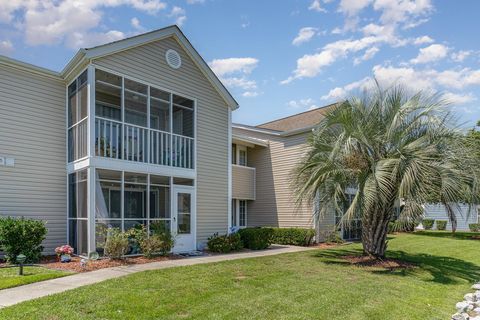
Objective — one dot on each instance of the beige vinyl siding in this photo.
(32, 131)
(243, 183)
(148, 63)
(275, 201)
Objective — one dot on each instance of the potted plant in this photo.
(64, 253)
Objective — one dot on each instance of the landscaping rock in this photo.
(462, 306)
(460, 316)
(476, 286)
(470, 297)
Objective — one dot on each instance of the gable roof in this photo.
(87, 54)
(298, 121)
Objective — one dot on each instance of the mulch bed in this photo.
(51, 262)
(369, 262)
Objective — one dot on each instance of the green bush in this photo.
(256, 238)
(167, 242)
(331, 236)
(151, 246)
(428, 224)
(117, 244)
(441, 224)
(474, 227)
(225, 243)
(22, 236)
(293, 236)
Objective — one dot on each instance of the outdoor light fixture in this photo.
(20, 260)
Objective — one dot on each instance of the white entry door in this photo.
(184, 218)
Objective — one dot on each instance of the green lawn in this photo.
(9, 276)
(308, 285)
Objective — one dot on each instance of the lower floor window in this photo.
(239, 213)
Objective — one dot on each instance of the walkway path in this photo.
(31, 291)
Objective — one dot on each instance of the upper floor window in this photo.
(234, 153)
(77, 112)
(242, 157)
(138, 122)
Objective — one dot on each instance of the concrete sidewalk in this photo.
(27, 292)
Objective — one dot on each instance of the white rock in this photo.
(469, 297)
(462, 306)
(459, 316)
(476, 286)
(477, 295)
(477, 310)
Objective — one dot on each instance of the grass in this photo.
(9, 276)
(316, 284)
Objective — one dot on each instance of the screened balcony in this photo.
(133, 122)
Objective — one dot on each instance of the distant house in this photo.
(465, 215)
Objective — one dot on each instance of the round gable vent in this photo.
(173, 59)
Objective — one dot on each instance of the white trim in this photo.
(229, 152)
(175, 189)
(249, 141)
(91, 247)
(91, 111)
(275, 133)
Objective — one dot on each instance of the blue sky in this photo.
(276, 57)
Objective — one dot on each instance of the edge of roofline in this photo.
(25, 66)
(128, 43)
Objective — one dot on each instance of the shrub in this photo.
(428, 224)
(441, 224)
(331, 236)
(474, 227)
(135, 236)
(293, 236)
(151, 246)
(116, 244)
(225, 243)
(22, 236)
(256, 238)
(162, 230)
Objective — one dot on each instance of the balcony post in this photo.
(91, 111)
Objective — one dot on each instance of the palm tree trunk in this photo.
(374, 234)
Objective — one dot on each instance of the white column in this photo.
(229, 148)
(91, 209)
(91, 111)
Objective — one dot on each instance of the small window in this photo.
(234, 154)
(242, 158)
(242, 208)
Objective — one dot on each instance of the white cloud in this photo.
(49, 22)
(134, 22)
(316, 6)
(234, 72)
(429, 80)
(455, 98)
(195, 1)
(250, 94)
(423, 40)
(353, 7)
(6, 47)
(231, 65)
(431, 53)
(311, 65)
(85, 40)
(405, 11)
(461, 55)
(304, 35)
(369, 54)
(179, 15)
(308, 103)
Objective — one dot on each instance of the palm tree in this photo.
(387, 145)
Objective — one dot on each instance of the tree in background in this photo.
(388, 145)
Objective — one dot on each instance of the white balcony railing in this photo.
(133, 143)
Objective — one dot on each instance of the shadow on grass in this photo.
(444, 270)
(449, 234)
